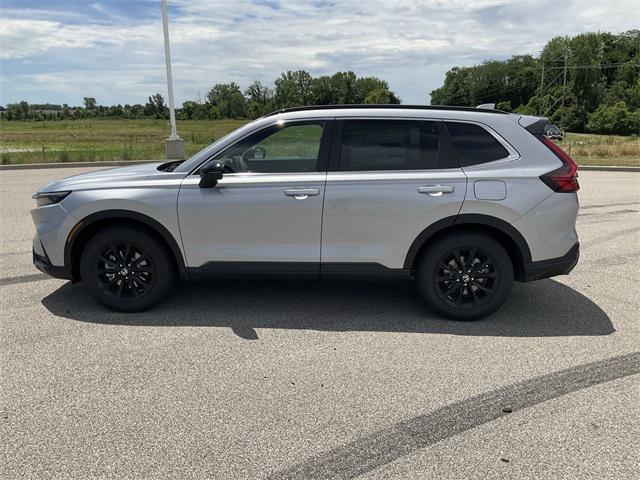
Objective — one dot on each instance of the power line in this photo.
(489, 91)
(490, 95)
(600, 65)
(493, 89)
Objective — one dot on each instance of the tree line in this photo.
(227, 100)
(586, 83)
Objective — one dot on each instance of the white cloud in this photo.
(410, 43)
(26, 38)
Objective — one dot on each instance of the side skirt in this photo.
(298, 270)
(364, 272)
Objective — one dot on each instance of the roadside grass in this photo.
(95, 140)
(614, 150)
(108, 139)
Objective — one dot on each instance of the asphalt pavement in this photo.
(296, 380)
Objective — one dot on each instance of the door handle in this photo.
(436, 190)
(301, 193)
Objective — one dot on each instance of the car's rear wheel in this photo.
(126, 269)
(465, 276)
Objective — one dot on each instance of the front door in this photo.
(265, 214)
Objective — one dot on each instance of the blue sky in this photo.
(62, 50)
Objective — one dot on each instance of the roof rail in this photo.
(386, 106)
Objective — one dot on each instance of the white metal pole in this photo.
(167, 56)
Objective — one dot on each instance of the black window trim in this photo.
(324, 152)
(446, 151)
(513, 153)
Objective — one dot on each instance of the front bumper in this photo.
(552, 267)
(43, 264)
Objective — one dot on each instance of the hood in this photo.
(109, 175)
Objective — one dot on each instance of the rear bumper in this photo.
(44, 265)
(552, 267)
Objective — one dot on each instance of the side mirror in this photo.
(210, 174)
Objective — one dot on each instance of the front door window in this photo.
(276, 149)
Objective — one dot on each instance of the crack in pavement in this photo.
(36, 277)
(605, 205)
(380, 448)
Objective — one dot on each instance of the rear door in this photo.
(389, 179)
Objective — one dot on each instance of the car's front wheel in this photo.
(465, 276)
(126, 269)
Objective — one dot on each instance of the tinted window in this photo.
(289, 148)
(473, 144)
(389, 145)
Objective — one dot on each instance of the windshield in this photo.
(206, 152)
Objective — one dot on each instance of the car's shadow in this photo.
(538, 309)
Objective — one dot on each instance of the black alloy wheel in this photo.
(465, 276)
(127, 269)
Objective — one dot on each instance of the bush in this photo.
(617, 118)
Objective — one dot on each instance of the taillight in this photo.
(565, 178)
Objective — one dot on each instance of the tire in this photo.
(126, 269)
(472, 292)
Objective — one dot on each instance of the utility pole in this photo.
(174, 145)
(540, 95)
(564, 89)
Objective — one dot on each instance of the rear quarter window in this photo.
(473, 144)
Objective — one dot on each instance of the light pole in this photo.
(174, 145)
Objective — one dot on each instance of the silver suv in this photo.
(464, 201)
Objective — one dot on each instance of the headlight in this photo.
(49, 198)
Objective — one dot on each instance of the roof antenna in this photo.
(487, 106)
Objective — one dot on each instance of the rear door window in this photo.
(389, 145)
(474, 145)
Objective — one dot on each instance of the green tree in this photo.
(18, 111)
(614, 119)
(135, 111)
(602, 69)
(513, 80)
(155, 107)
(374, 90)
(259, 100)
(194, 111)
(228, 100)
(115, 111)
(66, 112)
(89, 103)
(380, 96)
(188, 111)
(294, 89)
(322, 91)
(344, 86)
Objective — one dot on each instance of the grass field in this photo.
(589, 149)
(93, 140)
